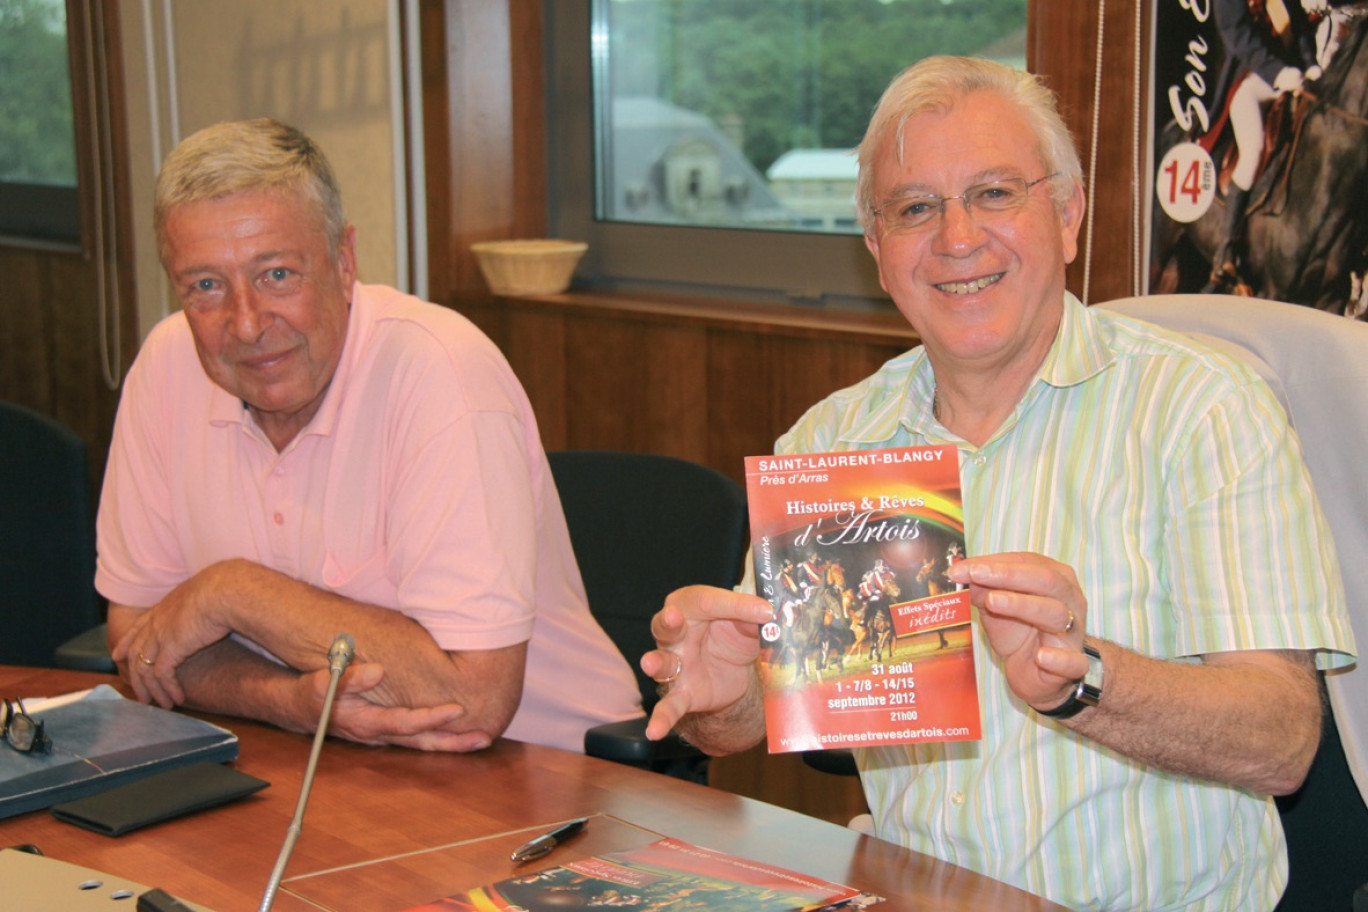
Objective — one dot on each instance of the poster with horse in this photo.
(1259, 177)
(870, 643)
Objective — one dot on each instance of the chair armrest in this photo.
(838, 761)
(88, 651)
(626, 742)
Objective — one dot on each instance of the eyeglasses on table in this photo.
(22, 732)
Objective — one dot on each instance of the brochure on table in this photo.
(668, 874)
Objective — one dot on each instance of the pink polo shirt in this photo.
(420, 485)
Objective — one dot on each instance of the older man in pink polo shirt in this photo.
(298, 454)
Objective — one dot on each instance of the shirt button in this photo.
(980, 459)
(279, 519)
(957, 798)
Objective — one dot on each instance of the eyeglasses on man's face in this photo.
(921, 211)
(21, 731)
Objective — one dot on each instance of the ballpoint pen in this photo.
(543, 844)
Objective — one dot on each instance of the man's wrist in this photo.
(730, 729)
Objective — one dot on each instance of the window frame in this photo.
(47, 215)
(774, 266)
(39, 215)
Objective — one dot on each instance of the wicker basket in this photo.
(528, 267)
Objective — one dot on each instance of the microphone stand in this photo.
(339, 657)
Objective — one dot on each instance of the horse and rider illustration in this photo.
(832, 618)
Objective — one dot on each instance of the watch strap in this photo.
(1087, 692)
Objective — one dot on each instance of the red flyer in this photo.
(870, 642)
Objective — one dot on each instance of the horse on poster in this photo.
(1306, 236)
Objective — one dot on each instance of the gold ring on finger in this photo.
(679, 666)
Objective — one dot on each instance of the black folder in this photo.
(161, 796)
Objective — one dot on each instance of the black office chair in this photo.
(87, 651)
(1318, 366)
(838, 761)
(47, 537)
(643, 525)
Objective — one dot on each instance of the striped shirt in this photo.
(1167, 476)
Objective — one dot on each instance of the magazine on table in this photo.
(870, 642)
(668, 874)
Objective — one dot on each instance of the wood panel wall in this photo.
(709, 382)
(1062, 45)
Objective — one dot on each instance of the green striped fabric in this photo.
(1166, 475)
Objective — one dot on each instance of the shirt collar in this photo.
(898, 402)
(898, 396)
(1081, 349)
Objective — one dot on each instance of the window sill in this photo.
(883, 326)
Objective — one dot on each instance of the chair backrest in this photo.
(47, 537)
(643, 525)
(1318, 365)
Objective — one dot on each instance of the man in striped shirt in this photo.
(1153, 578)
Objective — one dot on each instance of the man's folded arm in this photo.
(178, 652)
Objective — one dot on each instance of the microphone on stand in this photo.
(339, 657)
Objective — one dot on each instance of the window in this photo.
(37, 138)
(719, 155)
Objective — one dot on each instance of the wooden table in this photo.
(445, 822)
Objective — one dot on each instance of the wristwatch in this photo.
(1087, 692)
